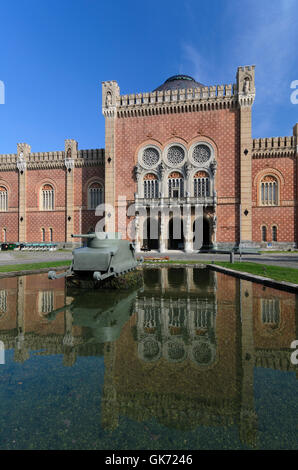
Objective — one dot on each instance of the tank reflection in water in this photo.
(194, 360)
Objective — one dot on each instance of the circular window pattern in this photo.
(151, 349)
(201, 153)
(175, 155)
(176, 351)
(150, 157)
(202, 353)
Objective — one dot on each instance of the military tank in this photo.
(106, 255)
(102, 316)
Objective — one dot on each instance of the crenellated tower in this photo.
(71, 154)
(23, 151)
(246, 95)
(110, 94)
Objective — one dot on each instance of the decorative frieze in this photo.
(159, 102)
(274, 147)
(69, 163)
(246, 85)
(50, 160)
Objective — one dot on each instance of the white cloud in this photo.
(261, 33)
(196, 64)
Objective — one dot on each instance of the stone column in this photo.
(188, 236)
(164, 282)
(248, 418)
(69, 353)
(213, 228)
(137, 233)
(163, 231)
(21, 351)
(71, 153)
(189, 279)
(110, 94)
(295, 134)
(246, 96)
(109, 403)
(23, 151)
(187, 170)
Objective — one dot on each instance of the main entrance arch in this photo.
(206, 242)
(151, 232)
(176, 238)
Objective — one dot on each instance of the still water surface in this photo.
(194, 360)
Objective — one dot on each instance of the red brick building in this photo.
(183, 152)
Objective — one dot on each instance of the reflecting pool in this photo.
(193, 360)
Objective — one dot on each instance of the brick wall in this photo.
(9, 220)
(37, 219)
(221, 127)
(283, 215)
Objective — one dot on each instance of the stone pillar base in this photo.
(162, 248)
(188, 247)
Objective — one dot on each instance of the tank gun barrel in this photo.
(84, 235)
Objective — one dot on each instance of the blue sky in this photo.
(55, 54)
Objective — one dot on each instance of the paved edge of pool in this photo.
(282, 285)
(32, 271)
(266, 281)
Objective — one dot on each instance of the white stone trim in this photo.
(190, 153)
(140, 156)
(165, 157)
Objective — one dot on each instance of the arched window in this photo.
(150, 186)
(3, 199)
(95, 195)
(264, 233)
(175, 185)
(43, 235)
(175, 155)
(149, 157)
(201, 184)
(269, 191)
(3, 302)
(51, 234)
(274, 233)
(270, 311)
(46, 301)
(4, 231)
(47, 197)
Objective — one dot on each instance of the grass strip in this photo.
(31, 266)
(278, 273)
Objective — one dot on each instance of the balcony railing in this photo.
(177, 201)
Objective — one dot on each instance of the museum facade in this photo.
(179, 156)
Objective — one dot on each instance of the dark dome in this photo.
(178, 82)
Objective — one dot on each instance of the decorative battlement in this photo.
(246, 85)
(8, 158)
(90, 156)
(175, 96)
(274, 147)
(39, 160)
(179, 100)
(156, 102)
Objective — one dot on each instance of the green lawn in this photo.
(176, 261)
(273, 272)
(29, 267)
(278, 251)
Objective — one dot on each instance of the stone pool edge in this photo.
(266, 281)
(32, 271)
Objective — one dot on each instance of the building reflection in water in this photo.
(182, 350)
